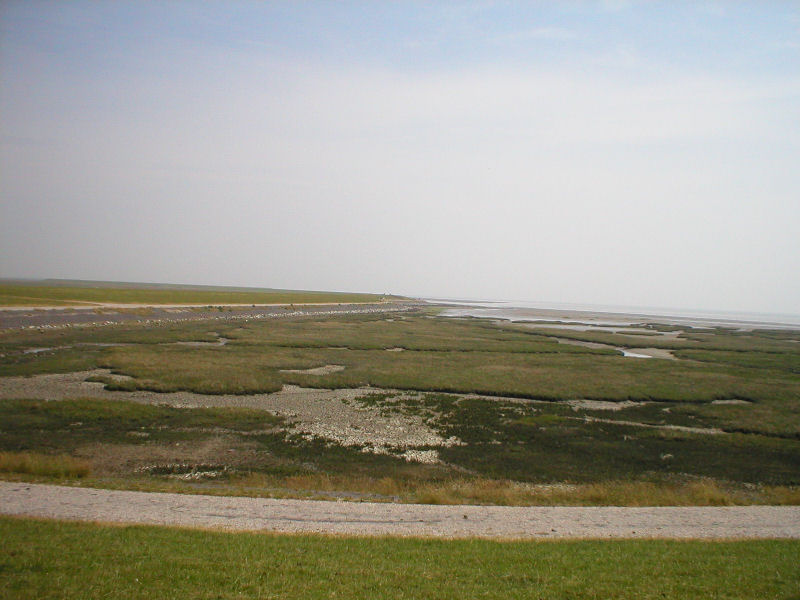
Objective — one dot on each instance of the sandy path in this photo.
(355, 518)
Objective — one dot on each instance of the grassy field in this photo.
(715, 339)
(671, 441)
(42, 559)
(440, 355)
(60, 295)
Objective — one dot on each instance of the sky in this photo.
(609, 152)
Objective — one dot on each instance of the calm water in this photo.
(610, 316)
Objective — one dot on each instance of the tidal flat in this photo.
(408, 406)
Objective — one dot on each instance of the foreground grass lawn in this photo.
(42, 559)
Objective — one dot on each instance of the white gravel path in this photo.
(354, 518)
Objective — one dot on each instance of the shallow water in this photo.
(526, 314)
(630, 354)
(618, 316)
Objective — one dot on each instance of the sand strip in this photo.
(357, 518)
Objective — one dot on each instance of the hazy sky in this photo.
(629, 153)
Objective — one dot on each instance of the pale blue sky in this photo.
(639, 153)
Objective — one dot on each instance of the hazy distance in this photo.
(623, 153)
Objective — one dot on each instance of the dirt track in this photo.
(355, 518)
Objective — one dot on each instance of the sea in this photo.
(611, 315)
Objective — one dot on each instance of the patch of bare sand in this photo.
(601, 404)
(221, 341)
(115, 459)
(683, 428)
(731, 401)
(654, 353)
(324, 370)
(594, 345)
(628, 352)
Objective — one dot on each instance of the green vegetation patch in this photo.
(120, 333)
(548, 377)
(414, 353)
(60, 360)
(42, 559)
(35, 295)
(550, 443)
(784, 361)
(66, 425)
(716, 339)
(380, 332)
(201, 370)
(44, 465)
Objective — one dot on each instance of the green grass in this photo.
(35, 463)
(784, 361)
(441, 355)
(700, 492)
(66, 360)
(49, 295)
(201, 370)
(251, 363)
(41, 559)
(717, 339)
(377, 332)
(548, 377)
(69, 424)
(121, 333)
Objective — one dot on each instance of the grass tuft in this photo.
(703, 492)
